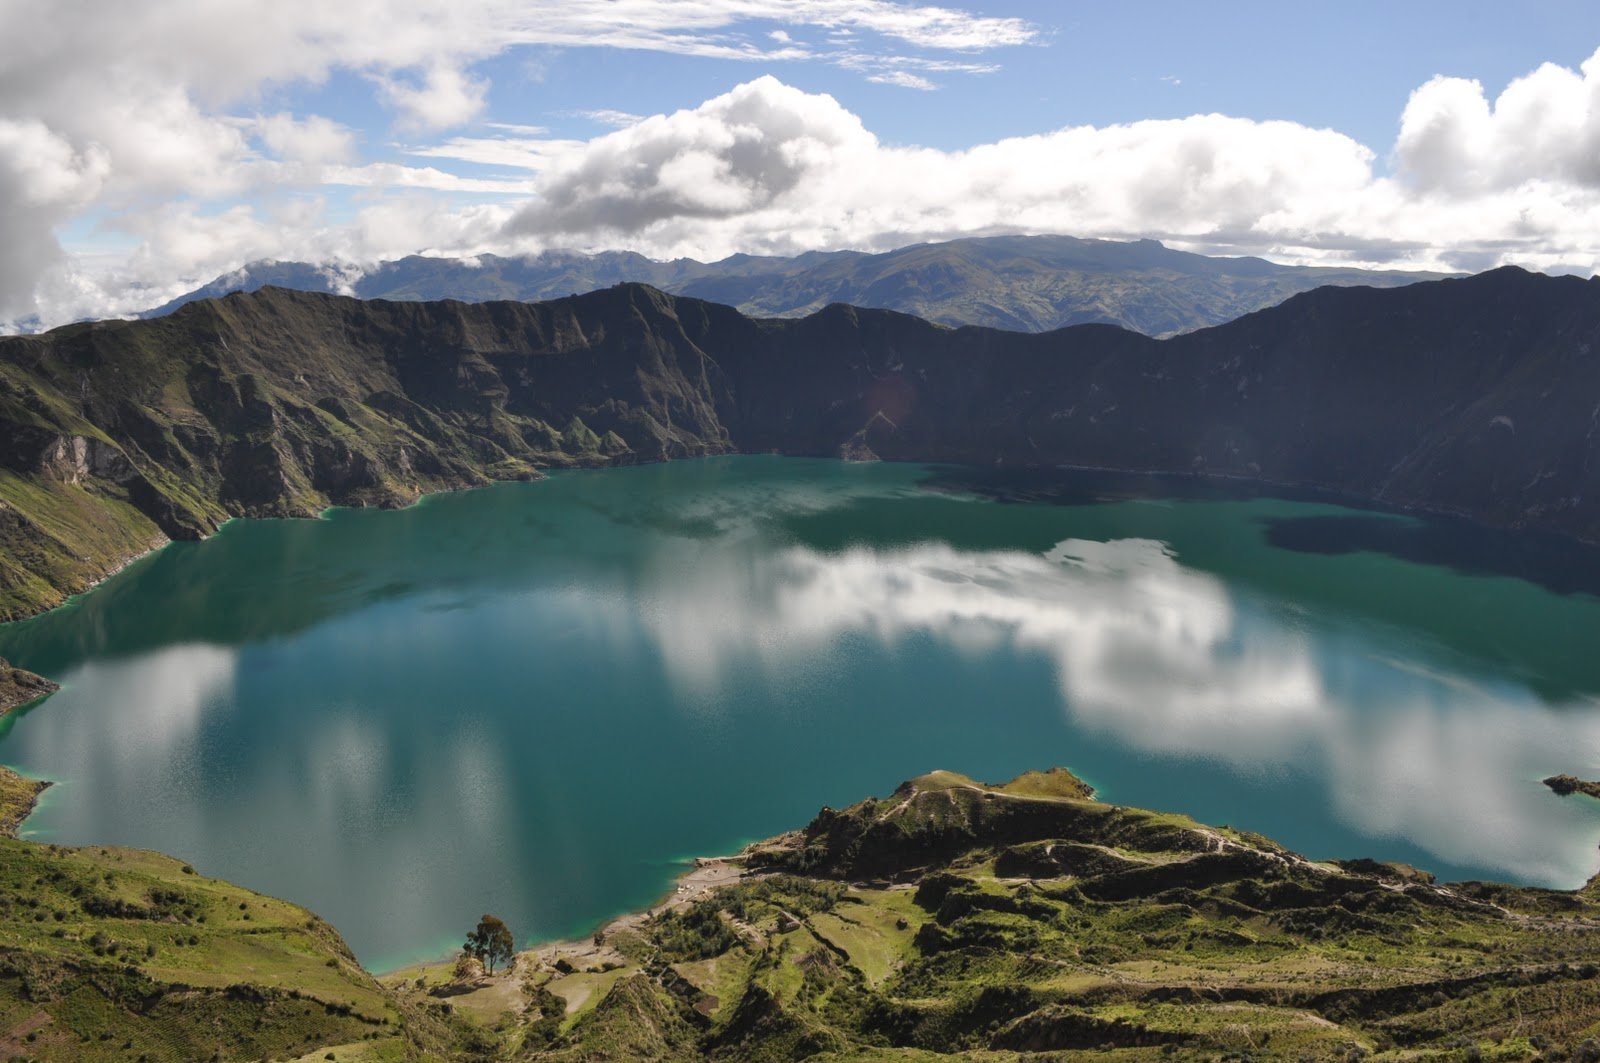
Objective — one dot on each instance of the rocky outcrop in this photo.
(18, 687)
(1478, 397)
(1138, 932)
(1567, 785)
(74, 459)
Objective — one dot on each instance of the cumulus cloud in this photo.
(42, 178)
(731, 157)
(128, 116)
(443, 96)
(309, 140)
(767, 167)
(770, 167)
(1544, 127)
(134, 105)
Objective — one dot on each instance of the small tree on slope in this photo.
(490, 942)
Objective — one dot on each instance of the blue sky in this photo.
(1348, 66)
(147, 147)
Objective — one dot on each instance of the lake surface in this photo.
(536, 699)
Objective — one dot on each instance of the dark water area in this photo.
(538, 699)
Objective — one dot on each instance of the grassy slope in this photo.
(116, 436)
(1005, 922)
(995, 922)
(58, 537)
(123, 954)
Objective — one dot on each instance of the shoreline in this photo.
(19, 796)
(701, 876)
(1284, 490)
(688, 879)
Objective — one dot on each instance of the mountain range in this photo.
(1478, 397)
(1024, 283)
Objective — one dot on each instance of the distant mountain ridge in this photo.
(1023, 283)
(1478, 397)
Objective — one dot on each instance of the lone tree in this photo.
(489, 942)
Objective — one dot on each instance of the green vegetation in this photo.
(1030, 921)
(1012, 922)
(122, 954)
(116, 436)
(489, 943)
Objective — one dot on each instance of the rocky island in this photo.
(1567, 785)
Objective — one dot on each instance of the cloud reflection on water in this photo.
(402, 768)
(1168, 660)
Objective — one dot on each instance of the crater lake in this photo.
(539, 699)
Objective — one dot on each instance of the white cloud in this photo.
(1544, 127)
(444, 96)
(730, 158)
(768, 167)
(42, 179)
(611, 117)
(139, 98)
(519, 152)
(905, 79)
(125, 114)
(312, 140)
(392, 176)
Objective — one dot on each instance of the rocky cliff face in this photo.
(1478, 396)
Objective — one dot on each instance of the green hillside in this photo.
(123, 954)
(1030, 921)
(951, 918)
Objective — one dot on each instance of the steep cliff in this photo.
(1478, 396)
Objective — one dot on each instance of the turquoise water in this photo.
(536, 699)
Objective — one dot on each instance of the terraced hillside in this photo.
(1030, 921)
(951, 918)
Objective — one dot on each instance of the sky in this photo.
(147, 148)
